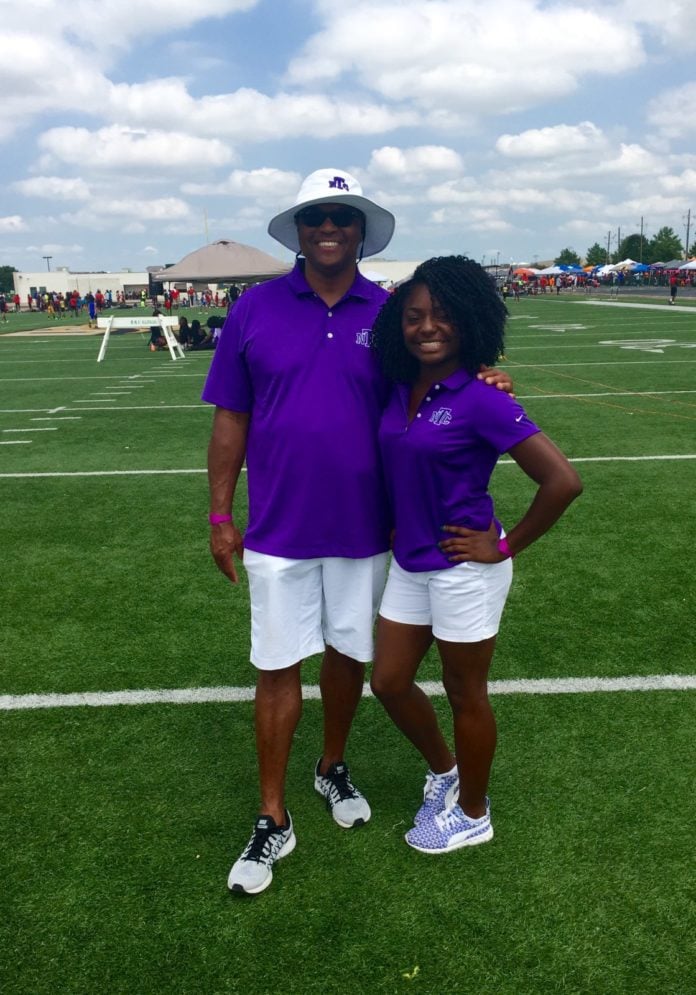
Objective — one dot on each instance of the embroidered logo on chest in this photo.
(443, 416)
(364, 337)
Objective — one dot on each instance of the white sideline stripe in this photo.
(612, 362)
(202, 406)
(611, 459)
(618, 393)
(15, 442)
(46, 429)
(115, 376)
(133, 407)
(155, 473)
(59, 418)
(673, 308)
(311, 692)
(105, 473)
(505, 365)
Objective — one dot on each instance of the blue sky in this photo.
(504, 129)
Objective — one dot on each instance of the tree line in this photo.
(661, 248)
(6, 281)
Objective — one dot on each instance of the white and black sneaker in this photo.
(347, 805)
(253, 872)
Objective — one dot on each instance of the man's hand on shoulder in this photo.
(496, 378)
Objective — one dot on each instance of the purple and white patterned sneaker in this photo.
(440, 792)
(450, 830)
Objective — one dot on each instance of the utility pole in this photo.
(48, 262)
(618, 240)
(688, 229)
(608, 247)
(640, 260)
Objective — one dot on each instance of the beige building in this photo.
(64, 280)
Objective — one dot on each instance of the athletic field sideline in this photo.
(120, 823)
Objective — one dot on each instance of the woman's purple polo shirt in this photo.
(307, 375)
(439, 465)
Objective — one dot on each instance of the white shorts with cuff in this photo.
(462, 604)
(298, 607)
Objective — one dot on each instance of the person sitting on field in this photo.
(210, 338)
(157, 340)
(184, 335)
(197, 334)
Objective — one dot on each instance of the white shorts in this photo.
(462, 604)
(300, 606)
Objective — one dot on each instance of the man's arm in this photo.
(226, 452)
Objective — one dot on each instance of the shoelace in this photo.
(453, 816)
(449, 818)
(341, 787)
(261, 845)
(431, 788)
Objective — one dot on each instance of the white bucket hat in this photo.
(334, 186)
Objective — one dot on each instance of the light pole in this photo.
(688, 229)
(640, 258)
(48, 262)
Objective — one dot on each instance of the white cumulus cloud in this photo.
(257, 183)
(557, 140)
(12, 223)
(464, 55)
(413, 164)
(671, 112)
(119, 147)
(54, 188)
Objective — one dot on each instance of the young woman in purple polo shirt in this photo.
(440, 437)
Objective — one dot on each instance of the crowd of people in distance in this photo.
(74, 303)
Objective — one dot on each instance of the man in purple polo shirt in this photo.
(298, 393)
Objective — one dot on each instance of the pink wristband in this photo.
(219, 519)
(505, 549)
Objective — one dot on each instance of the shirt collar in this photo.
(455, 380)
(361, 287)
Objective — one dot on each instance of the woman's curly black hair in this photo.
(468, 297)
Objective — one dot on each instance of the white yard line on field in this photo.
(310, 692)
(47, 429)
(669, 309)
(155, 473)
(618, 393)
(202, 406)
(658, 360)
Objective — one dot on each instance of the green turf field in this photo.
(120, 821)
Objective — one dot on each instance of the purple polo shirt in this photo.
(439, 465)
(307, 375)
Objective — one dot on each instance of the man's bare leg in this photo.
(277, 712)
(341, 684)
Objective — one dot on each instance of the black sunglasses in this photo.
(342, 217)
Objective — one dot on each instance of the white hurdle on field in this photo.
(165, 322)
